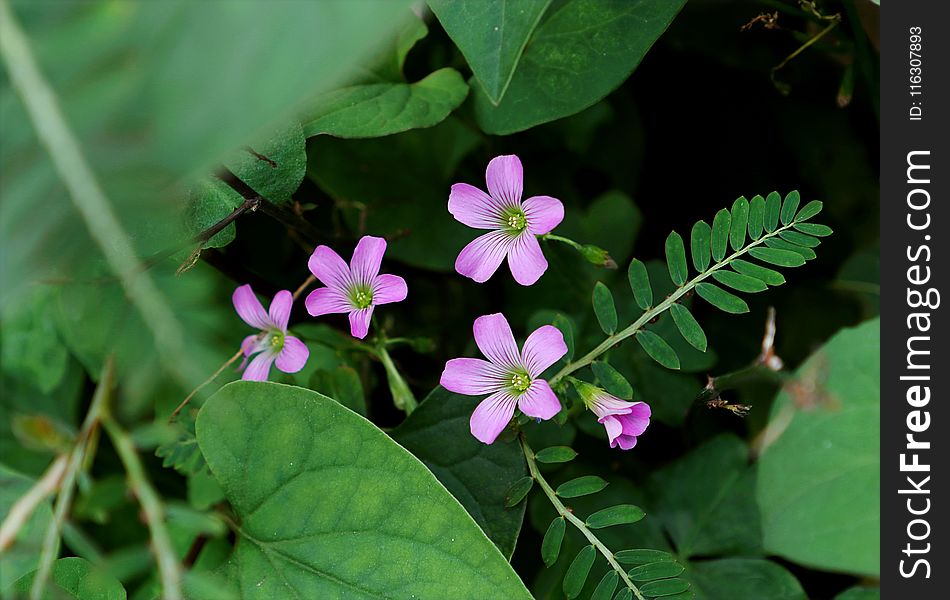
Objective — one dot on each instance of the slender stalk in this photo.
(303, 286)
(169, 568)
(563, 240)
(572, 519)
(25, 505)
(214, 376)
(402, 395)
(657, 310)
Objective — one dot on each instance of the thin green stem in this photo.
(563, 240)
(402, 395)
(567, 514)
(657, 310)
(168, 566)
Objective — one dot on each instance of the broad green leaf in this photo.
(817, 480)
(738, 281)
(676, 258)
(688, 327)
(582, 51)
(209, 201)
(379, 109)
(615, 515)
(555, 454)
(24, 555)
(581, 486)
(860, 593)
(491, 36)
(814, 229)
(605, 589)
(721, 299)
(624, 594)
(658, 349)
(740, 220)
(699, 245)
(551, 544)
(756, 217)
(640, 284)
(773, 206)
(75, 579)
(809, 210)
(799, 238)
(657, 570)
(577, 573)
(664, 587)
(780, 244)
(478, 475)
(518, 491)
(790, 207)
(742, 579)
(332, 499)
(275, 166)
(705, 500)
(604, 308)
(391, 58)
(612, 380)
(343, 384)
(759, 272)
(642, 556)
(777, 256)
(720, 234)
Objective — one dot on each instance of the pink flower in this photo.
(509, 377)
(355, 288)
(513, 224)
(272, 344)
(624, 421)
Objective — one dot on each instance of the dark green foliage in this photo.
(656, 570)
(518, 491)
(773, 207)
(640, 284)
(721, 299)
(582, 486)
(756, 217)
(642, 556)
(687, 325)
(676, 258)
(737, 281)
(612, 380)
(615, 515)
(790, 207)
(658, 349)
(605, 589)
(699, 241)
(720, 234)
(604, 308)
(740, 221)
(555, 454)
(577, 573)
(551, 544)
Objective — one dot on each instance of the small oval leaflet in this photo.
(657, 570)
(688, 327)
(577, 573)
(664, 587)
(809, 210)
(722, 299)
(640, 284)
(802, 239)
(778, 257)
(624, 594)
(551, 544)
(567, 330)
(611, 379)
(605, 589)
(740, 282)
(756, 217)
(814, 229)
(759, 272)
(657, 348)
(779, 243)
(582, 486)
(720, 234)
(676, 258)
(622, 514)
(773, 206)
(642, 556)
(604, 309)
(518, 491)
(555, 454)
(699, 245)
(790, 207)
(740, 218)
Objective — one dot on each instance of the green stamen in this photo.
(514, 219)
(361, 296)
(520, 382)
(276, 340)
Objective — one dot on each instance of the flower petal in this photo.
(472, 377)
(280, 309)
(388, 289)
(367, 257)
(625, 442)
(325, 301)
(259, 368)
(473, 207)
(482, 256)
(293, 356)
(249, 308)
(526, 260)
(505, 179)
(539, 401)
(544, 347)
(613, 427)
(491, 416)
(359, 322)
(327, 266)
(543, 213)
(604, 404)
(494, 338)
(637, 421)
(252, 344)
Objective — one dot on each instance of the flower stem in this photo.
(657, 310)
(214, 376)
(567, 514)
(402, 395)
(563, 240)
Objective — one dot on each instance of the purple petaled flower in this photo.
(509, 377)
(624, 421)
(513, 224)
(272, 344)
(355, 288)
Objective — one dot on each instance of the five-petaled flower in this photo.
(623, 420)
(272, 344)
(355, 288)
(509, 377)
(514, 224)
